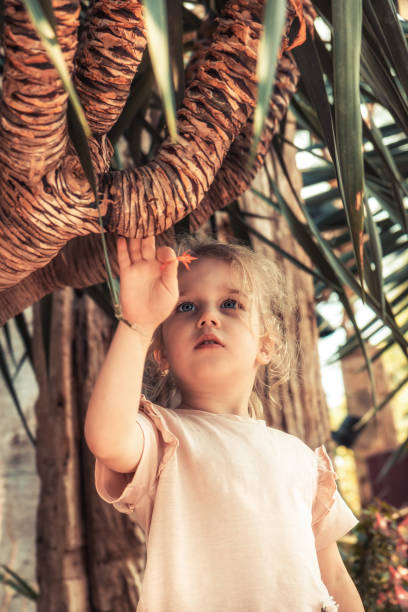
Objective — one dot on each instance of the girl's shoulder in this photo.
(317, 460)
(318, 454)
(291, 441)
(156, 416)
(148, 406)
(156, 411)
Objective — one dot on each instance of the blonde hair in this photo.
(262, 280)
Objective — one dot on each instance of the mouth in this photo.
(208, 342)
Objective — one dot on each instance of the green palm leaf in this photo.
(8, 379)
(347, 25)
(269, 44)
(17, 583)
(155, 15)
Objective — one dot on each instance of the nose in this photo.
(209, 318)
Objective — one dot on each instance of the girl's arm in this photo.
(148, 293)
(338, 581)
(111, 429)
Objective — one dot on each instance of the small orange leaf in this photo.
(185, 259)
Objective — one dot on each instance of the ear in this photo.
(160, 359)
(265, 351)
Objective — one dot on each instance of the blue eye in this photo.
(230, 303)
(185, 307)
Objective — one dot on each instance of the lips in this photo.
(208, 340)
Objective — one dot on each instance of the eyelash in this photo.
(238, 305)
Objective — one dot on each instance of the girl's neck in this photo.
(230, 403)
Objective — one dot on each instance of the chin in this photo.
(210, 374)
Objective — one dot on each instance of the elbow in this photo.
(346, 594)
(93, 436)
(90, 442)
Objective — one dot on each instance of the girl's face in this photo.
(212, 336)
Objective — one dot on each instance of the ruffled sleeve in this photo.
(135, 492)
(331, 516)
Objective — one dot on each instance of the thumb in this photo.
(169, 275)
(165, 254)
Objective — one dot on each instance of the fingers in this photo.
(169, 264)
(134, 247)
(134, 250)
(169, 276)
(122, 253)
(148, 248)
(142, 249)
(165, 254)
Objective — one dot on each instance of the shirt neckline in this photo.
(235, 417)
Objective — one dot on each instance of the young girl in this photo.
(238, 516)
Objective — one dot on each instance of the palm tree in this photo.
(41, 171)
(147, 184)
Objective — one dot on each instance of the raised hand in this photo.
(148, 281)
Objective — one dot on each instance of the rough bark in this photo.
(110, 50)
(43, 211)
(89, 557)
(80, 262)
(61, 564)
(236, 174)
(33, 127)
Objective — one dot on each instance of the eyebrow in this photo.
(229, 290)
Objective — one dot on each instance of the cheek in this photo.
(252, 323)
(167, 335)
(256, 324)
(164, 344)
(171, 334)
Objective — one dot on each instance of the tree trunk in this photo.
(380, 434)
(89, 556)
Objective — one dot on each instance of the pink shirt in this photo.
(233, 511)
